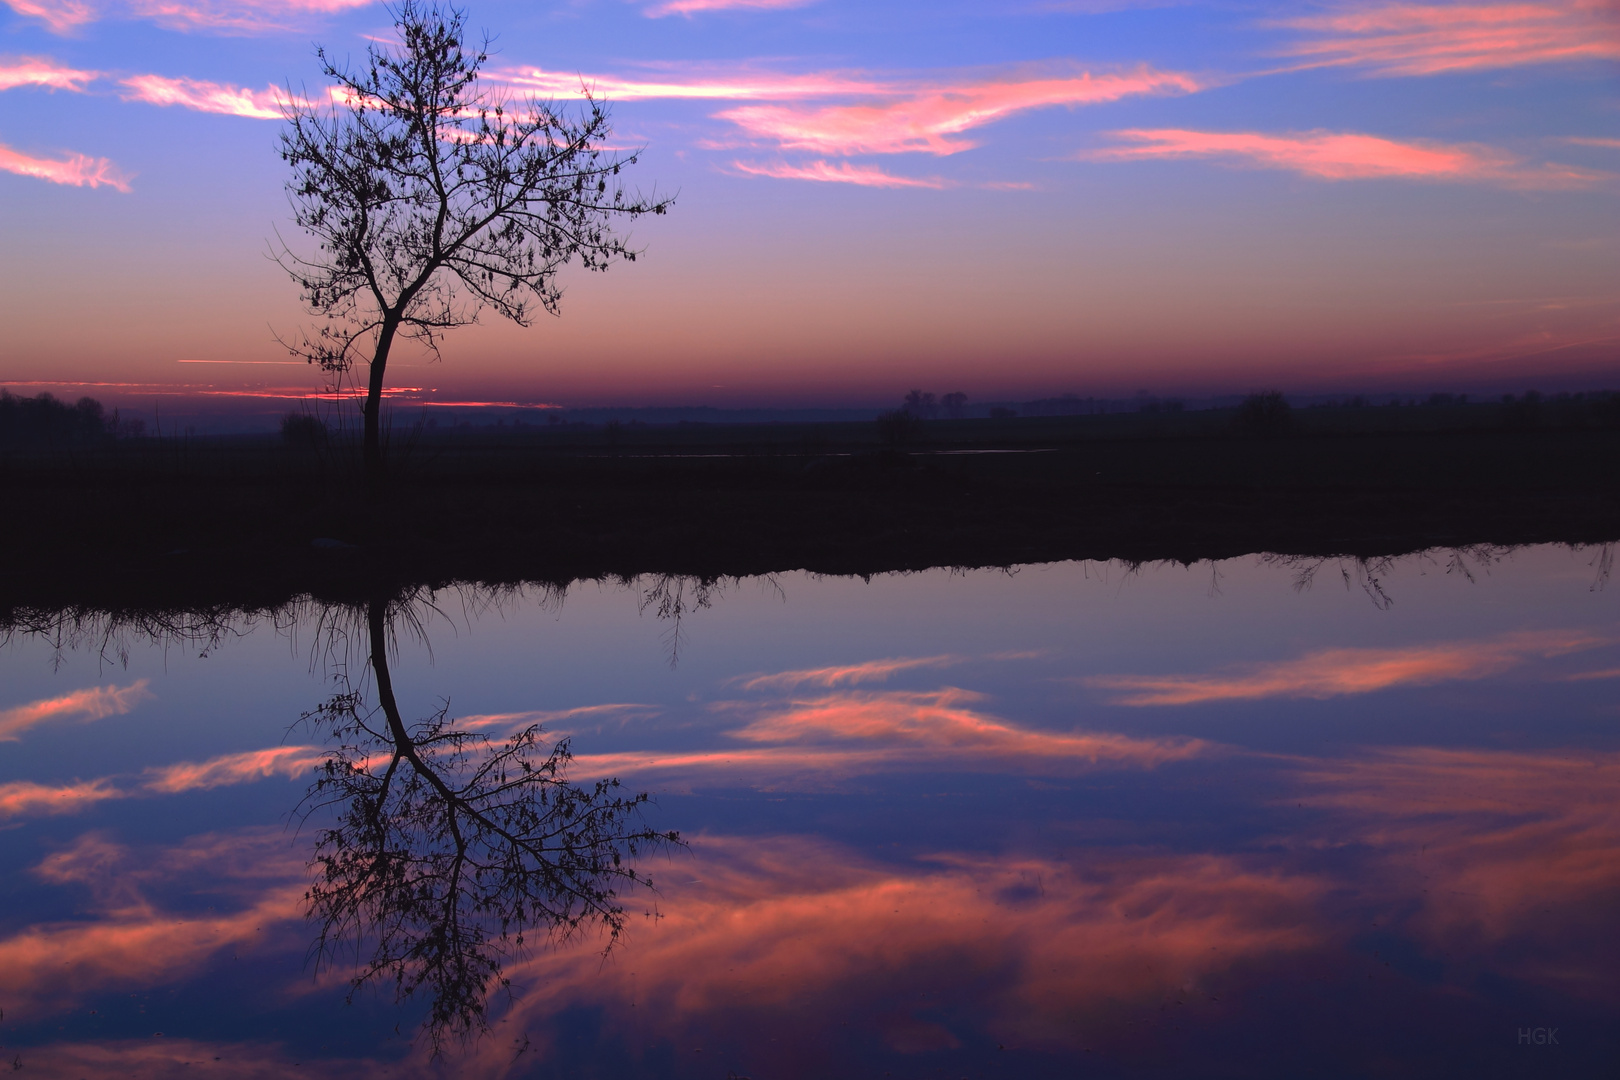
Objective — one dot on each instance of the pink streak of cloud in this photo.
(207, 96)
(76, 170)
(41, 71)
(26, 797)
(62, 16)
(700, 84)
(1428, 39)
(688, 7)
(1339, 672)
(1330, 155)
(288, 761)
(238, 16)
(868, 671)
(841, 173)
(932, 119)
(95, 703)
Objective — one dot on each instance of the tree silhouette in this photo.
(430, 198)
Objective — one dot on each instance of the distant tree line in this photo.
(46, 420)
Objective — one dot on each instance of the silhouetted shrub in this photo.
(1264, 413)
(302, 430)
(46, 421)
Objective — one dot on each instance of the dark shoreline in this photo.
(251, 523)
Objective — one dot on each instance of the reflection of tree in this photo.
(451, 850)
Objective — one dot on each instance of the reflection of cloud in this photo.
(1025, 947)
(26, 797)
(289, 761)
(95, 703)
(168, 1056)
(1428, 39)
(1509, 857)
(1336, 672)
(42, 71)
(76, 170)
(849, 733)
(207, 96)
(1329, 155)
(840, 173)
(128, 941)
(931, 119)
(869, 671)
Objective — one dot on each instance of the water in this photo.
(1219, 820)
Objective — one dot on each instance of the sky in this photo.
(1011, 200)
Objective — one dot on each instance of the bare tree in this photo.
(431, 197)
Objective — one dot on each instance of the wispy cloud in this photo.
(1328, 155)
(94, 703)
(838, 173)
(43, 71)
(933, 119)
(77, 170)
(887, 114)
(691, 7)
(207, 96)
(1338, 672)
(1429, 39)
(62, 16)
(218, 16)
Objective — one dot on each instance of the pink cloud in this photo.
(841, 173)
(40, 71)
(1338, 672)
(1330, 155)
(95, 703)
(207, 96)
(1428, 39)
(61, 16)
(932, 119)
(688, 7)
(76, 170)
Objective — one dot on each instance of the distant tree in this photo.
(920, 405)
(302, 430)
(1264, 413)
(431, 198)
(954, 404)
(1001, 412)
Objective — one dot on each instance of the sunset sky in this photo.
(1011, 199)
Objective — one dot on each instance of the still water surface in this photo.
(1075, 819)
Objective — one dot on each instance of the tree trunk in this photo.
(371, 440)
